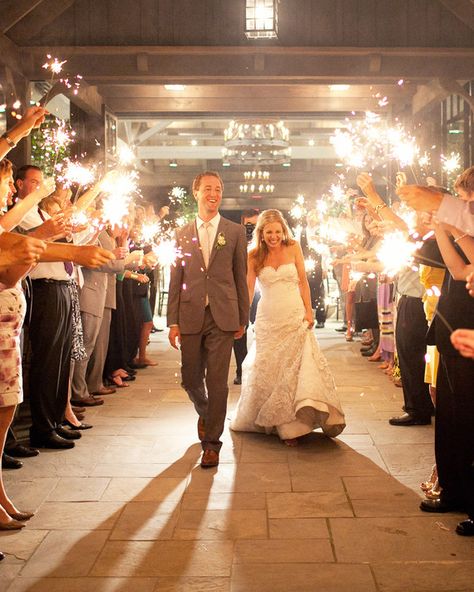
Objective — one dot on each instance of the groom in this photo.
(208, 307)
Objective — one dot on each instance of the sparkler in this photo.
(119, 192)
(167, 252)
(451, 163)
(75, 173)
(149, 231)
(396, 252)
(371, 142)
(125, 155)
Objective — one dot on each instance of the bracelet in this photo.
(380, 207)
(456, 240)
(8, 140)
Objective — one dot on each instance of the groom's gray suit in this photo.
(207, 331)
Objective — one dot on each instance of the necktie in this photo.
(206, 243)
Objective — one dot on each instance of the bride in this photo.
(287, 386)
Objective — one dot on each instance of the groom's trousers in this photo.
(205, 360)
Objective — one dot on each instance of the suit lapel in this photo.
(220, 228)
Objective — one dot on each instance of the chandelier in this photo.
(256, 143)
(250, 185)
(261, 19)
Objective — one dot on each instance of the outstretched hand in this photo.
(470, 284)
(420, 198)
(463, 341)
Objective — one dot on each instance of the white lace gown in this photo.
(287, 386)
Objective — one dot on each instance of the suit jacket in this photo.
(93, 293)
(224, 282)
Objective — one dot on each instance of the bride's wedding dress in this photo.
(287, 386)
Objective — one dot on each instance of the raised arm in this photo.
(33, 118)
(454, 262)
(381, 209)
(13, 217)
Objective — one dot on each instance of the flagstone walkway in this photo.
(130, 510)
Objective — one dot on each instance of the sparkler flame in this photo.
(396, 252)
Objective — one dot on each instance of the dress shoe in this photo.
(68, 434)
(105, 391)
(465, 528)
(210, 458)
(342, 329)
(368, 352)
(21, 516)
(81, 426)
(319, 325)
(407, 419)
(52, 441)
(439, 506)
(201, 428)
(8, 462)
(12, 525)
(238, 379)
(91, 401)
(20, 451)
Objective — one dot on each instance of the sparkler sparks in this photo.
(167, 252)
(54, 65)
(451, 163)
(75, 173)
(119, 190)
(370, 143)
(396, 252)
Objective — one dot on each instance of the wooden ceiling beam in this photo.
(39, 17)
(462, 9)
(234, 65)
(13, 11)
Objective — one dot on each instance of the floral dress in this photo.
(12, 315)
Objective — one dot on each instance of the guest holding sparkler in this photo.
(51, 352)
(454, 436)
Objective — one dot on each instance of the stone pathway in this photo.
(129, 510)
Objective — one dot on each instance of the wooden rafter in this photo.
(463, 9)
(44, 13)
(13, 11)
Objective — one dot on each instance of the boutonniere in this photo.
(220, 242)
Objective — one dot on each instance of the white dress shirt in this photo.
(50, 271)
(211, 230)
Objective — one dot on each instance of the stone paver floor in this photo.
(129, 509)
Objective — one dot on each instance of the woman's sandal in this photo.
(117, 381)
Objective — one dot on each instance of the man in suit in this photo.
(208, 307)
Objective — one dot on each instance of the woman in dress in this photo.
(12, 314)
(287, 386)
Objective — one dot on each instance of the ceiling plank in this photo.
(40, 17)
(462, 9)
(13, 11)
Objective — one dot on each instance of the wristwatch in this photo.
(8, 140)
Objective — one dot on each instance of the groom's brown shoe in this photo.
(201, 428)
(210, 458)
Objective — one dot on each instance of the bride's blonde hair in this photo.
(259, 250)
